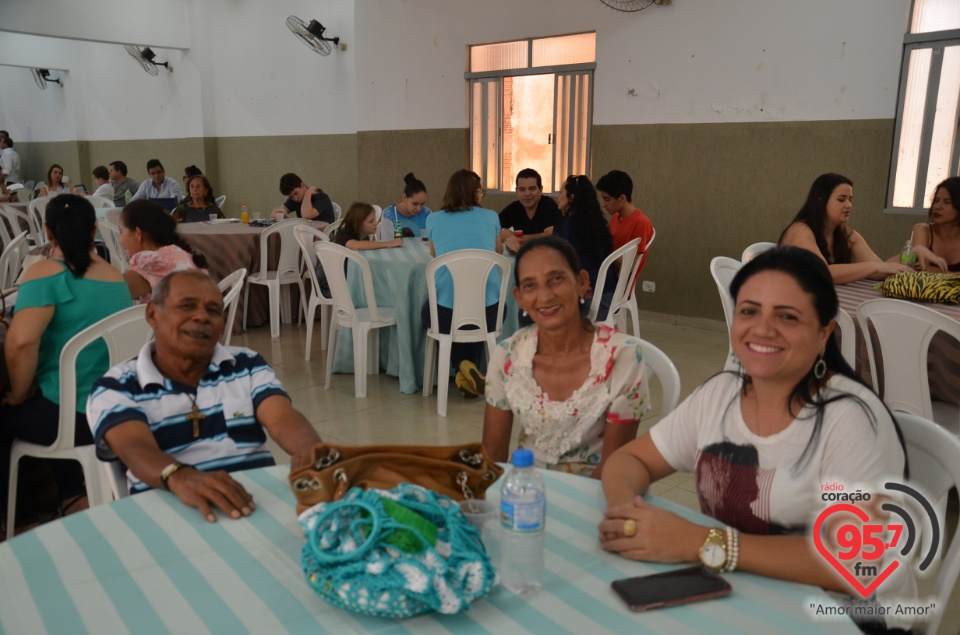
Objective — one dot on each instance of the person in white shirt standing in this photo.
(9, 161)
(159, 185)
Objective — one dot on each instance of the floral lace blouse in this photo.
(568, 435)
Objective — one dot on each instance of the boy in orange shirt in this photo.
(626, 221)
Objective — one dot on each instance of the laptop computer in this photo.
(168, 204)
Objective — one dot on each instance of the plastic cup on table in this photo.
(213, 217)
(479, 512)
(256, 216)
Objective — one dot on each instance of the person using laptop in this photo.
(159, 187)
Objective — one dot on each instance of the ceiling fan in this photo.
(312, 35)
(145, 57)
(42, 77)
(631, 6)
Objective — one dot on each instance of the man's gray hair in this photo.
(160, 292)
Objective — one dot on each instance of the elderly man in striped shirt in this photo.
(187, 410)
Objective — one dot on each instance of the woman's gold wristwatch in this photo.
(713, 553)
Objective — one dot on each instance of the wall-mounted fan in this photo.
(631, 6)
(311, 35)
(145, 57)
(42, 77)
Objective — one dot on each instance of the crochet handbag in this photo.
(395, 553)
(459, 471)
(924, 286)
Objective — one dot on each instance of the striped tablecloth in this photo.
(148, 564)
(228, 247)
(943, 360)
(399, 281)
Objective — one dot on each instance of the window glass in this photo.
(566, 49)
(498, 57)
(935, 15)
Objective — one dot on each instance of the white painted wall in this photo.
(693, 62)
(243, 73)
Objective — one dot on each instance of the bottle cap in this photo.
(522, 458)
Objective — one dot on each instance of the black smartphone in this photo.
(671, 588)
(81, 187)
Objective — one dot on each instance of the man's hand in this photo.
(204, 490)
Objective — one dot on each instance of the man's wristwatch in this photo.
(169, 471)
(713, 553)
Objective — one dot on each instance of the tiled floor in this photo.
(387, 416)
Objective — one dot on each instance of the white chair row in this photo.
(287, 271)
(110, 233)
(230, 287)
(11, 260)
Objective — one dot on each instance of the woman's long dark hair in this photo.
(50, 171)
(154, 221)
(588, 222)
(72, 221)
(952, 186)
(814, 215)
(813, 276)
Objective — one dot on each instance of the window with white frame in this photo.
(926, 148)
(531, 106)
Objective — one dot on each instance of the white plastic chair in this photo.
(125, 333)
(37, 211)
(723, 270)
(220, 200)
(630, 307)
(902, 331)
(5, 236)
(664, 370)
(848, 337)
(332, 228)
(287, 271)
(100, 202)
(933, 456)
(365, 322)
(627, 256)
(24, 221)
(470, 269)
(230, 287)
(378, 213)
(11, 260)
(306, 236)
(753, 250)
(337, 212)
(111, 237)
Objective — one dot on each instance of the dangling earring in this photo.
(820, 368)
(523, 313)
(582, 300)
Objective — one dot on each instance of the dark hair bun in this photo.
(409, 178)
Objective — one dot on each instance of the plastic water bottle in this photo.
(244, 214)
(127, 197)
(907, 255)
(398, 230)
(523, 511)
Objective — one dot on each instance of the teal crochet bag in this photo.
(395, 553)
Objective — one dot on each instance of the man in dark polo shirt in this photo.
(532, 212)
(304, 201)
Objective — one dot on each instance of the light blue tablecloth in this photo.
(149, 564)
(400, 282)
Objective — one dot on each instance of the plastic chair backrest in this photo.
(124, 333)
(333, 258)
(933, 456)
(111, 236)
(723, 270)
(230, 287)
(378, 213)
(332, 228)
(903, 333)
(14, 253)
(289, 258)
(306, 236)
(99, 202)
(653, 237)
(627, 255)
(5, 236)
(469, 269)
(753, 250)
(28, 186)
(337, 212)
(38, 210)
(848, 337)
(665, 370)
(220, 200)
(20, 221)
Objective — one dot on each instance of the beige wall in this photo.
(710, 189)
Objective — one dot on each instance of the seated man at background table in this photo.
(626, 221)
(305, 201)
(122, 185)
(159, 187)
(532, 213)
(188, 410)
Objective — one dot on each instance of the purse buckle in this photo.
(332, 457)
(462, 482)
(473, 459)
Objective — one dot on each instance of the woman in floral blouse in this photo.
(577, 390)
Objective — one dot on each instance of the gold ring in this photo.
(629, 527)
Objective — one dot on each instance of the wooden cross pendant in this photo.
(196, 417)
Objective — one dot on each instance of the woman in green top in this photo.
(58, 298)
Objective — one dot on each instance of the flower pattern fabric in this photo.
(154, 266)
(568, 435)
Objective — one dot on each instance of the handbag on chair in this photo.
(460, 471)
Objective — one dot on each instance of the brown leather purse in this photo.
(460, 471)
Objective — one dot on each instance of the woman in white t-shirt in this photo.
(763, 443)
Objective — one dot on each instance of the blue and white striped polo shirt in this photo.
(228, 396)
